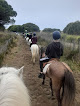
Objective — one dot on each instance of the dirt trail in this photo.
(40, 94)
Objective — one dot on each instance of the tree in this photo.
(50, 30)
(30, 27)
(6, 13)
(73, 28)
(16, 28)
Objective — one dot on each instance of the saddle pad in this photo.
(45, 68)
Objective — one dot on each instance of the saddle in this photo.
(50, 61)
(46, 64)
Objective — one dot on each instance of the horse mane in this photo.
(13, 91)
(42, 50)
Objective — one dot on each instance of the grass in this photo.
(70, 38)
(42, 42)
(3, 37)
(72, 58)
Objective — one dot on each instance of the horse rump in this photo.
(34, 52)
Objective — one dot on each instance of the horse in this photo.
(61, 80)
(30, 41)
(27, 39)
(13, 91)
(34, 52)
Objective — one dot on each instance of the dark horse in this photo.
(61, 81)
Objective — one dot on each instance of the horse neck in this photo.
(42, 53)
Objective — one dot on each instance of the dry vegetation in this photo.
(6, 41)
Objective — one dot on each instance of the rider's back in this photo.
(34, 40)
(54, 50)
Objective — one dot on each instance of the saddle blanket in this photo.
(46, 68)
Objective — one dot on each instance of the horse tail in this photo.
(33, 56)
(68, 89)
(33, 50)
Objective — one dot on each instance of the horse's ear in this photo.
(20, 71)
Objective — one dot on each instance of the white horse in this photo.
(27, 40)
(13, 91)
(34, 52)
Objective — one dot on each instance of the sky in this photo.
(46, 13)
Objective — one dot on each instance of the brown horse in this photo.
(61, 81)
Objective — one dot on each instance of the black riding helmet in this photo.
(56, 35)
(34, 34)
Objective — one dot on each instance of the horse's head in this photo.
(11, 70)
(42, 52)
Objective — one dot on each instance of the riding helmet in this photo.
(34, 34)
(56, 35)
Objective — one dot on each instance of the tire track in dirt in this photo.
(40, 94)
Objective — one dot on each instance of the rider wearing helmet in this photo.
(54, 50)
(34, 39)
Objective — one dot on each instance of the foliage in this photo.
(72, 58)
(50, 30)
(16, 28)
(71, 55)
(5, 36)
(2, 28)
(6, 13)
(42, 42)
(30, 27)
(70, 38)
(73, 28)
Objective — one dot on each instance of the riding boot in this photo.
(41, 66)
(41, 69)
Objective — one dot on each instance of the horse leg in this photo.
(58, 97)
(43, 79)
(51, 86)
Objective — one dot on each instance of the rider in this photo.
(54, 50)
(34, 39)
(27, 35)
(30, 35)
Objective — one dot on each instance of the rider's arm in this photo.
(61, 49)
(47, 51)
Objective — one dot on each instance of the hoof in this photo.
(42, 83)
(40, 75)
